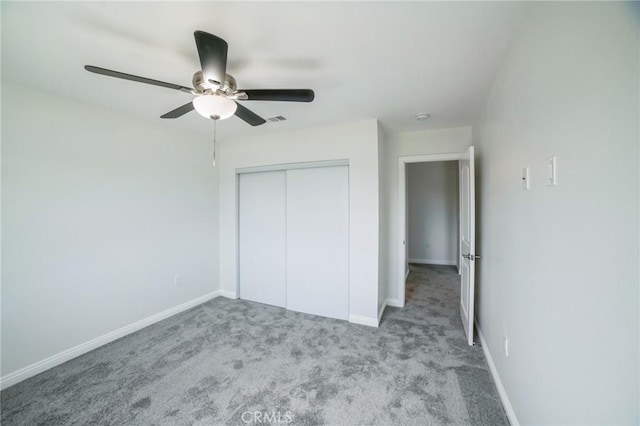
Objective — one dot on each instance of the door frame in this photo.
(402, 207)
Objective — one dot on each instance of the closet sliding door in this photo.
(262, 237)
(317, 240)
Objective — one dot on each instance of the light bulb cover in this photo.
(214, 105)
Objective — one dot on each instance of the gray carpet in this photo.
(226, 360)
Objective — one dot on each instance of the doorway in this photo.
(433, 218)
(465, 235)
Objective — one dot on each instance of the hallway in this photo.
(430, 324)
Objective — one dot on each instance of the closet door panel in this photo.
(262, 237)
(318, 241)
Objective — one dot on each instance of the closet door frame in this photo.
(269, 168)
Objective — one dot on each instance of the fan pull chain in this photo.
(215, 118)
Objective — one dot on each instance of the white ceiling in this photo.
(380, 60)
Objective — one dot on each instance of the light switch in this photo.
(551, 171)
(525, 178)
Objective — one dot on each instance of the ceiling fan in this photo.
(216, 92)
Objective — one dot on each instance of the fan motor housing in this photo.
(202, 86)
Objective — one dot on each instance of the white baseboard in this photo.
(496, 378)
(389, 302)
(228, 294)
(64, 356)
(434, 262)
(394, 302)
(357, 319)
(381, 310)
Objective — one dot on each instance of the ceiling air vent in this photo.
(276, 119)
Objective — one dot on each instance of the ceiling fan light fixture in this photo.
(210, 106)
(215, 90)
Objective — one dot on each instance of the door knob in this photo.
(471, 256)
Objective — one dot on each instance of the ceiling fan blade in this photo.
(117, 74)
(179, 112)
(249, 116)
(287, 95)
(213, 57)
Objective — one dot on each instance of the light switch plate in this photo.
(506, 346)
(552, 171)
(526, 182)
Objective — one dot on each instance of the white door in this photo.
(467, 241)
(262, 237)
(318, 241)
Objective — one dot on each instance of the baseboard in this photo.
(357, 319)
(228, 294)
(64, 356)
(496, 378)
(434, 262)
(381, 311)
(389, 302)
(394, 302)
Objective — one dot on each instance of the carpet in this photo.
(234, 362)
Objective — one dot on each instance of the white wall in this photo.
(432, 212)
(559, 273)
(99, 212)
(357, 143)
(383, 223)
(441, 141)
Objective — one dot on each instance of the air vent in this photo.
(276, 119)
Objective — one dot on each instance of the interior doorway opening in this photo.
(465, 255)
(433, 213)
(402, 253)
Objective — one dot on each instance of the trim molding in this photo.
(396, 303)
(496, 378)
(381, 311)
(357, 319)
(433, 262)
(389, 302)
(66, 355)
(228, 294)
(291, 166)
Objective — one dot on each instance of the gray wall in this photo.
(432, 210)
(99, 212)
(559, 274)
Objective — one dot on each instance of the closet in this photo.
(293, 231)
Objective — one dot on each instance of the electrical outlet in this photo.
(177, 280)
(506, 346)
